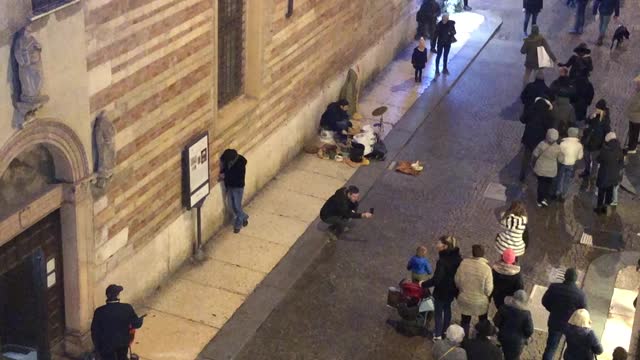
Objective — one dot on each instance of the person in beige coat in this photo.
(474, 281)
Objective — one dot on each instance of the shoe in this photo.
(544, 203)
(245, 223)
(445, 71)
(613, 204)
(236, 230)
(525, 35)
(437, 338)
(631, 151)
(467, 8)
(539, 204)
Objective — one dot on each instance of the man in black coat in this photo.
(427, 18)
(561, 300)
(111, 324)
(336, 117)
(583, 98)
(233, 168)
(535, 89)
(340, 208)
(537, 119)
(445, 36)
(611, 159)
(531, 10)
(481, 347)
(514, 321)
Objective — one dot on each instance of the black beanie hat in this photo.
(601, 104)
(570, 276)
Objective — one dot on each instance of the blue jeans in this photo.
(442, 315)
(553, 340)
(532, 16)
(580, 12)
(563, 180)
(604, 24)
(235, 200)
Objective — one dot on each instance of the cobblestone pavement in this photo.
(337, 310)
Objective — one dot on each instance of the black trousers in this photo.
(634, 133)
(337, 224)
(465, 322)
(544, 187)
(442, 49)
(605, 196)
(466, 2)
(118, 354)
(511, 349)
(418, 75)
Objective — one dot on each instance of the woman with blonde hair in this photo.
(582, 343)
(514, 224)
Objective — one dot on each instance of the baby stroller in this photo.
(414, 306)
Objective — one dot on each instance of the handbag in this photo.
(544, 61)
(426, 305)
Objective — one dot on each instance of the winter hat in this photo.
(552, 135)
(573, 132)
(570, 276)
(610, 136)
(508, 256)
(582, 49)
(601, 104)
(455, 333)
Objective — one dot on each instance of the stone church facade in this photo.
(253, 74)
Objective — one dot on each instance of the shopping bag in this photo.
(426, 305)
(544, 61)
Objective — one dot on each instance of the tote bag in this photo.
(544, 61)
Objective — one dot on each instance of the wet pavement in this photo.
(469, 141)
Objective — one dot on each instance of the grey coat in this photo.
(633, 109)
(546, 159)
(442, 346)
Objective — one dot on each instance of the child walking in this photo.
(419, 265)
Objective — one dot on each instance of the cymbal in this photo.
(379, 111)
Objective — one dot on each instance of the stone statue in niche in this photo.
(27, 53)
(104, 134)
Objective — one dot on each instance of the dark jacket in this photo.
(580, 65)
(443, 279)
(339, 205)
(419, 58)
(584, 96)
(606, 7)
(481, 349)
(532, 6)
(563, 87)
(561, 300)
(537, 88)
(514, 322)
(537, 119)
(564, 116)
(110, 326)
(332, 115)
(582, 344)
(445, 33)
(507, 279)
(593, 135)
(429, 11)
(234, 171)
(611, 161)
(530, 50)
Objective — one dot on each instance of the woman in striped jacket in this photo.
(514, 223)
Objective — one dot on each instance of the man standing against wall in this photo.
(233, 168)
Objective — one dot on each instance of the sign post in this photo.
(195, 166)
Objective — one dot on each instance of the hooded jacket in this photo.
(633, 109)
(611, 161)
(514, 322)
(475, 282)
(507, 279)
(582, 344)
(443, 278)
(571, 151)
(537, 119)
(339, 205)
(530, 49)
(561, 300)
(546, 156)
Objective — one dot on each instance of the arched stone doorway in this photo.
(45, 177)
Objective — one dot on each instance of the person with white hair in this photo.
(449, 348)
(582, 342)
(611, 160)
(633, 113)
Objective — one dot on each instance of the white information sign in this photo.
(198, 170)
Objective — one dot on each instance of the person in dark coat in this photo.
(561, 300)
(531, 10)
(583, 98)
(537, 120)
(336, 117)
(110, 326)
(580, 62)
(340, 208)
(564, 115)
(535, 89)
(529, 49)
(443, 282)
(233, 168)
(611, 160)
(427, 18)
(445, 36)
(605, 8)
(598, 126)
(419, 59)
(582, 342)
(563, 86)
(507, 278)
(581, 10)
(481, 347)
(515, 325)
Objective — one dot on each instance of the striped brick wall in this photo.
(151, 66)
